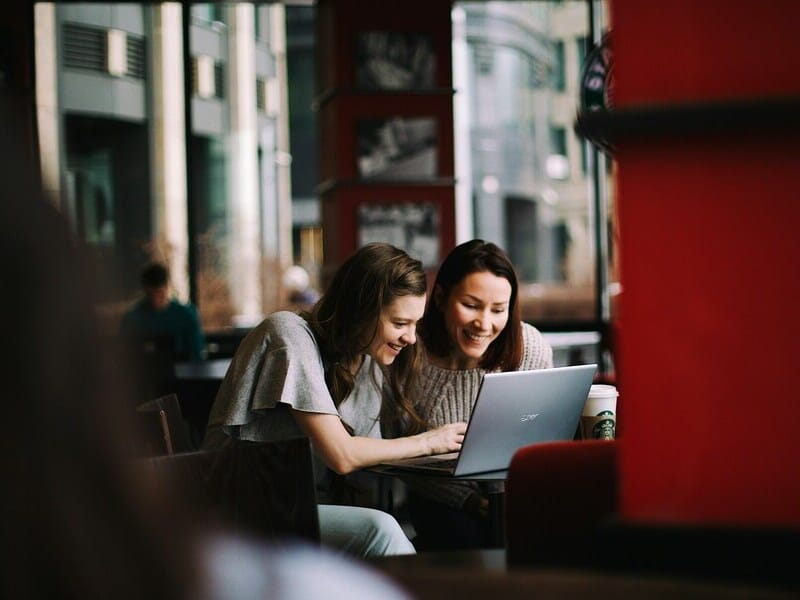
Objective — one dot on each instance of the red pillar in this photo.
(710, 262)
(345, 103)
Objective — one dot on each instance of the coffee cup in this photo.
(599, 418)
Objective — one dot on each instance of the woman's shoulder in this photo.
(279, 330)
(537, 353)
(284, 324)
(285, 318)
(531, 335)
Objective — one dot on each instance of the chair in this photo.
(196, 385)
(561, 503)
(557, 494)
(151, 359)
(260, 489)
(162, 427)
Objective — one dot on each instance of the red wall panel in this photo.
(710, 263)
(710, 330)
(683, 50)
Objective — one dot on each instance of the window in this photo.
(540, 204)
(583, 47)
(558, 137)
(559, 68)
(134, 180)
(131, 178)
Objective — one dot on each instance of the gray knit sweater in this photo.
(447, 396)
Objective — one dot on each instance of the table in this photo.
(202, 370)
(492, 483)
(474, 574)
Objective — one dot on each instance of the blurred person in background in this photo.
(157, 332)
(301, 295)
(159, 315)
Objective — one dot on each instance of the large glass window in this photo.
(164, 131)
(186, 133)
(530, 181)
(531, 188)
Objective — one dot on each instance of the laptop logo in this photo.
(526, 418)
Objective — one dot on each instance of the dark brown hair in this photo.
(475, 256)
(346, 318)
(77, 524)
(154, 275)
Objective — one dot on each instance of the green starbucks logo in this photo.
(604, 427)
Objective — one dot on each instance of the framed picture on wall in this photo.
(412, 226)
(397, 148)
(390, 60)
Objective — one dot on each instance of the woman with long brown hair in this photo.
(333, 374)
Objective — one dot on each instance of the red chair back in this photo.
(557, 493)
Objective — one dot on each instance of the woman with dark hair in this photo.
(325, 374)
(471, 325)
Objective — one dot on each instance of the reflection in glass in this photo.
(218, 205)
(516, 71)
(112, 110)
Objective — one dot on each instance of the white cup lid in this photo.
(602, 389)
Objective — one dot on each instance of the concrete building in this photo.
(118, 138)
(524, 176)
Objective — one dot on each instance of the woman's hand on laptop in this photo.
(447, 438)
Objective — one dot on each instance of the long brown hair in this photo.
(475, 256)
(346, 318)
(79, 525)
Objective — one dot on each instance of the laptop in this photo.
(512, 410)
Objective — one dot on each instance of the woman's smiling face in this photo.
(475, 313)
(397, 328)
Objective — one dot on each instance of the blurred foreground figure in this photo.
(76, 525)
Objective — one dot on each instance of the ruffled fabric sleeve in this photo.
(277, 366)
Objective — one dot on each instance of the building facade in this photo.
(524, 176)
(113, 122)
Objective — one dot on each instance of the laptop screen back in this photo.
(518, 408)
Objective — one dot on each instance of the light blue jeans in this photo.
(361, 531)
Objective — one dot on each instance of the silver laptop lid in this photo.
(518, 408)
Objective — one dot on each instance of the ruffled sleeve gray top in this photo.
(278, 367)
